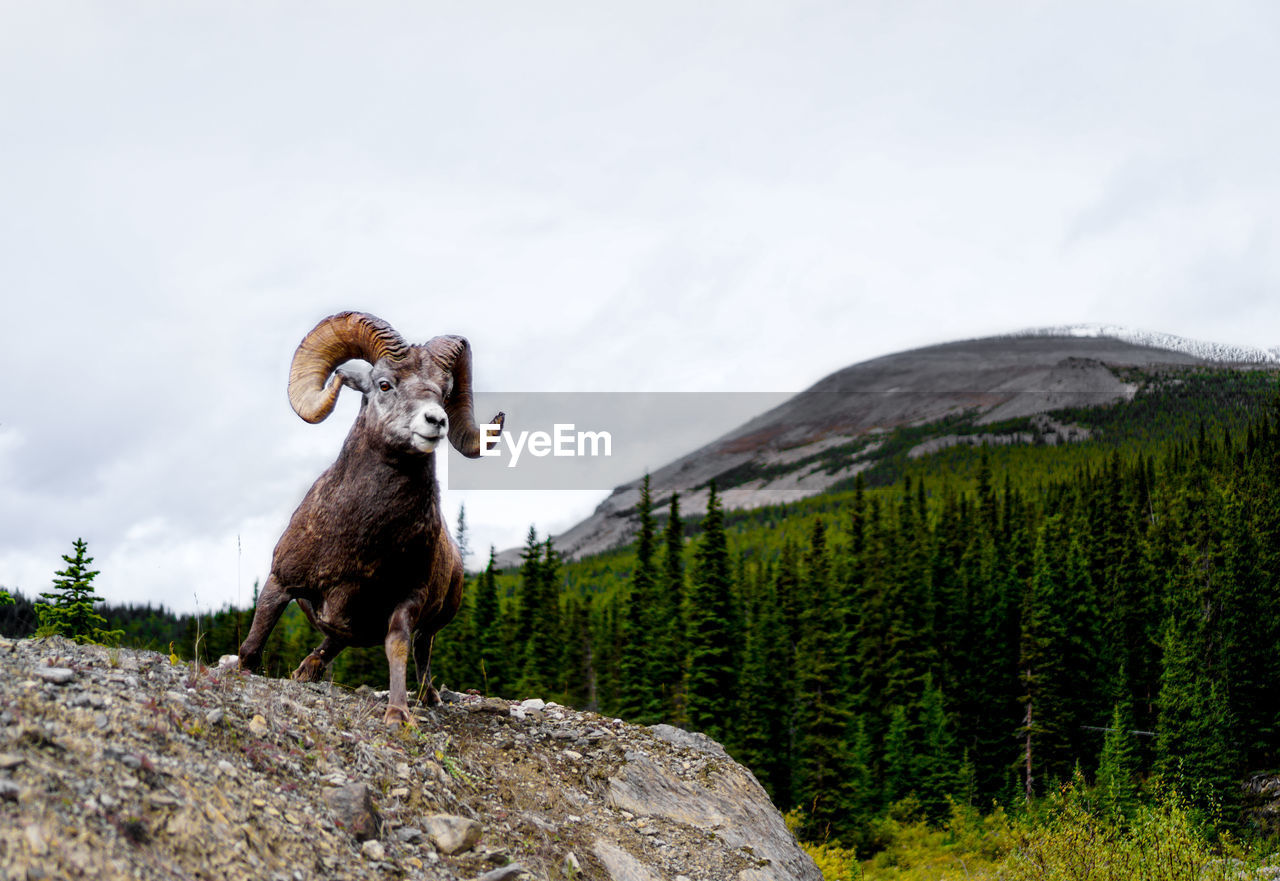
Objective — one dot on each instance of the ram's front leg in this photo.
(399, 639)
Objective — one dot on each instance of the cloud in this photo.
(710, 198)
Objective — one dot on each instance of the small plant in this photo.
(68, 609)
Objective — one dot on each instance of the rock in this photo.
(409, 834)
(228, 662)
(694, 740)
(727, 799)
(353, 808)
(495, 706)
(620, 864)
(503, 873)
(160, 782)
(56, 675)
(451, 834)
(533, 703)
(36, 840)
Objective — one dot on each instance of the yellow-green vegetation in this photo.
(1069, 836)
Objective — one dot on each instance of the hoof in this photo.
(310, 670)
(399, 716)
(430, 696)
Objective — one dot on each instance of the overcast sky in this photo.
(601, 196)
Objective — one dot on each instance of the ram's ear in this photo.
(357, 375)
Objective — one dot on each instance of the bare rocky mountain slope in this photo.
(994, 379)
(123, 764)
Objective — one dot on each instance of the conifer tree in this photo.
(638, 693)
(68, 609)
(667, 672)
(711, 679)
(898, 758)
(821, 773)
(937, 765)
(541, 672)
(762, 729)
(1118, 766)
(492, 665)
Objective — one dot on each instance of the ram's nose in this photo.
(436, 419)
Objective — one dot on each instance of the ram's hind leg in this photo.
(271, 604)
(425, 638)
(422, 643)
(313, 665)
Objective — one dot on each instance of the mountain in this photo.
(995, 390)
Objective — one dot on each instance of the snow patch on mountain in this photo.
(1222, 352)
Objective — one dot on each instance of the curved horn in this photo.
(453, 353)
(334, 340)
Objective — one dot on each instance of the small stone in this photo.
(227, 768)
(35, 840)
(409, 834)
(56, 675)
(503, 873)
(533, 703)
(492, 705)
(353, 807)
(451, 834)
(258, 726)
(9, 791)
(9, 760)
(571, 865)
(572, 754)
(373, 849)
(215, 716)
(228, 662)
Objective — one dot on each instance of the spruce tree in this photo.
(68, 609)
(540, 673)
(1117, 778)
(821, 776)
(668, 638)
(711, 679)
(638, 693)
(492, 665)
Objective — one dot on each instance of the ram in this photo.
(367, 555)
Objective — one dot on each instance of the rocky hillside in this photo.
(122, 764)
(787, 453)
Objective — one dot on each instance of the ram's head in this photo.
(415, 395)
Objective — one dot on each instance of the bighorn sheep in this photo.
(367, 554)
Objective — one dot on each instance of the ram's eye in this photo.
(384, 385)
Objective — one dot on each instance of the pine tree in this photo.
(68, 609)
(821, 776)
(762, 729)
(638, 692)
(936, 766)
(463, 536)
(898, 756)
(540, 674)
(668, 637)
(492, 665)
(711, 679)
(1118, 767)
